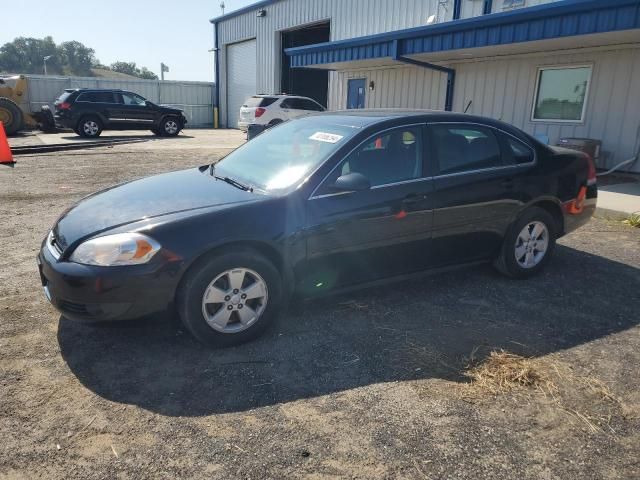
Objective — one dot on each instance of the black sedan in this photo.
(319, 204)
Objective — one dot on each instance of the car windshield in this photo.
(281, 157)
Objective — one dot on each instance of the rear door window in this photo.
(96, 97)
(517, 153)
(306, 104)
(288, 103)
(464, 148)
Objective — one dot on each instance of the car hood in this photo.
(146, 199)
(170, 109)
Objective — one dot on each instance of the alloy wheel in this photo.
(532, 244)
(171, 127)
(234, 300)
(90, 128)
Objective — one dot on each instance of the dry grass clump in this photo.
(582, 397)
(503, 371)
(633, 220)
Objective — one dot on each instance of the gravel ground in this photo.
(369, 385)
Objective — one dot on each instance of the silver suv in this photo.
(270, 110)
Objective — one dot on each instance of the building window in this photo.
(513, 3)
(561, 93)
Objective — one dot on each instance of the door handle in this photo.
(413, 198)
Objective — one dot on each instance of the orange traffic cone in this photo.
(5, 151)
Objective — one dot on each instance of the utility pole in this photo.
(163, 68)
(48, 57)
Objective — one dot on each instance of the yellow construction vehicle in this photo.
(13, 91)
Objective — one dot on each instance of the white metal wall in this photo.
(195, 98)
(349, 19)
(503, 88)
(241, 77)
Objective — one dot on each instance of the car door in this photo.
(137, 112)
(476, 193)
(360, 236)
(102, 103)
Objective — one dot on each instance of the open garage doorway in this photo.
(302, 81)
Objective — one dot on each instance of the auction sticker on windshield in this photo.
(326, 137)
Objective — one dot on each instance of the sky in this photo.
(147, 32)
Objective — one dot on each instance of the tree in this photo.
(26, 55)
(130, 68)
(147, 74)
(76, 58)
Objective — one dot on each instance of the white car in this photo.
(273, 109)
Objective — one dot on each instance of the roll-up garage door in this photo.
(241, 78)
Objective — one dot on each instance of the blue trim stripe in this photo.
(553, 20)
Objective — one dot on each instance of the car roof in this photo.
(366, 117)
(96, 90)
(280, 95)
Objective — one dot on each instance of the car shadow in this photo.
(404, 331)
(150, 136)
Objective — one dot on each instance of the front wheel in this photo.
(230, 298)
(528, 245)
(11, 116)
(170, 127)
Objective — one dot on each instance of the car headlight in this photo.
(116, 250)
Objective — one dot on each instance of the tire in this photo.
(89, 127)
(156, 132)
(11, 116)
(170, 127)
(211, 278)
(519, 259)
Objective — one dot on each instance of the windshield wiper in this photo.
(229, 180)
(236, 184)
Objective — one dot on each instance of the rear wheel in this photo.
(89, 127)
(230, 298)
(529, 244)
(11, 116)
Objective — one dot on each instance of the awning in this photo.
(558, 25)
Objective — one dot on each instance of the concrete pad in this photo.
(619, 201)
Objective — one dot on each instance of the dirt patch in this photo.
(369, 385)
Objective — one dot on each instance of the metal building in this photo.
(554, 68)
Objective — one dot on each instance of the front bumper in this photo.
(90, 293)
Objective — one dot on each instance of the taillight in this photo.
(64, 106)
(591, 173)
(260, 111)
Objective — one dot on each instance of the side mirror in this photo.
(353, 181)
